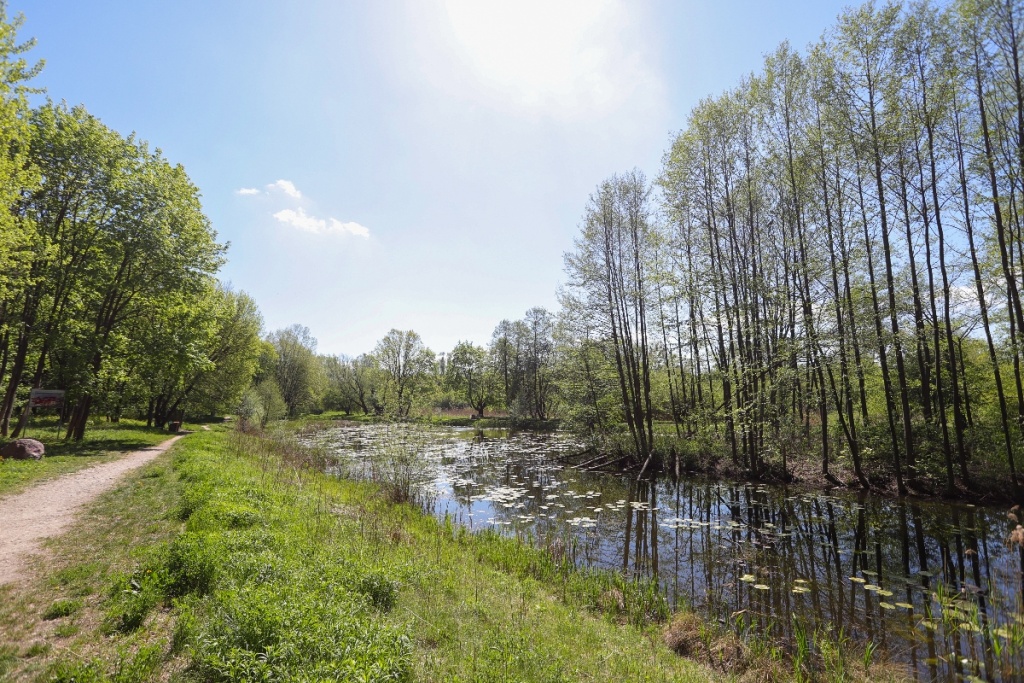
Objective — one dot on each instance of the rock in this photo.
(23, 449)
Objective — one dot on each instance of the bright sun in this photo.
(540, 52)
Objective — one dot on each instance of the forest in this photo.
(823, 280)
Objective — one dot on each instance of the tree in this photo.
(119, 233)
(404, 363)
(17, 173)
(469, 372)
(609, 279)
(296, 371)
(203, 355)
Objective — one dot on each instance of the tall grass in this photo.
(281, 572)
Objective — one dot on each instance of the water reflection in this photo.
(934, 585)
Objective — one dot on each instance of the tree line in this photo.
(514, 375)
(830, 259)
(108, 266)
(827, 269)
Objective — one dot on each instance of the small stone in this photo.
(23, 449)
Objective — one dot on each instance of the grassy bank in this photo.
(232, 558)
(102, 443)
(247, 564)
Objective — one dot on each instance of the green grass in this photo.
(102, 442)
(59, 615)
(282, 569)
(63, 607)
(234, 559)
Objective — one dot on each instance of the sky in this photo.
(411, 164)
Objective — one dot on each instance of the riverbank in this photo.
(236, 559)
(909, 580)
(269, 568)
(706, 457)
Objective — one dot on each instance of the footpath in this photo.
(47, 510)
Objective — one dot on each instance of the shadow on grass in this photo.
(99, 439)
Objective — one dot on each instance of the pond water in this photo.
(935, 585)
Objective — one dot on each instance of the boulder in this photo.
(23, 449)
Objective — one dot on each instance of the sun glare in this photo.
(540, 52)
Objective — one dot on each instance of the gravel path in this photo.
(46, 510)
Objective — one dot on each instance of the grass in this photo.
(102, 443)
(53, 626)
(63, 607)
(233, 558)
(282, 569)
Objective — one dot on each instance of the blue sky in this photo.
(420, 164)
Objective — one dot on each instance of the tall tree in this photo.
(404, 363)
(609, 275)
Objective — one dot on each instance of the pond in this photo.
(932, 584)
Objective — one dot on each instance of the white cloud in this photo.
(286, 186)
(247, 191)
(298, 218)
(350, 227)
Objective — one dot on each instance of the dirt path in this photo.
(46, 510)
